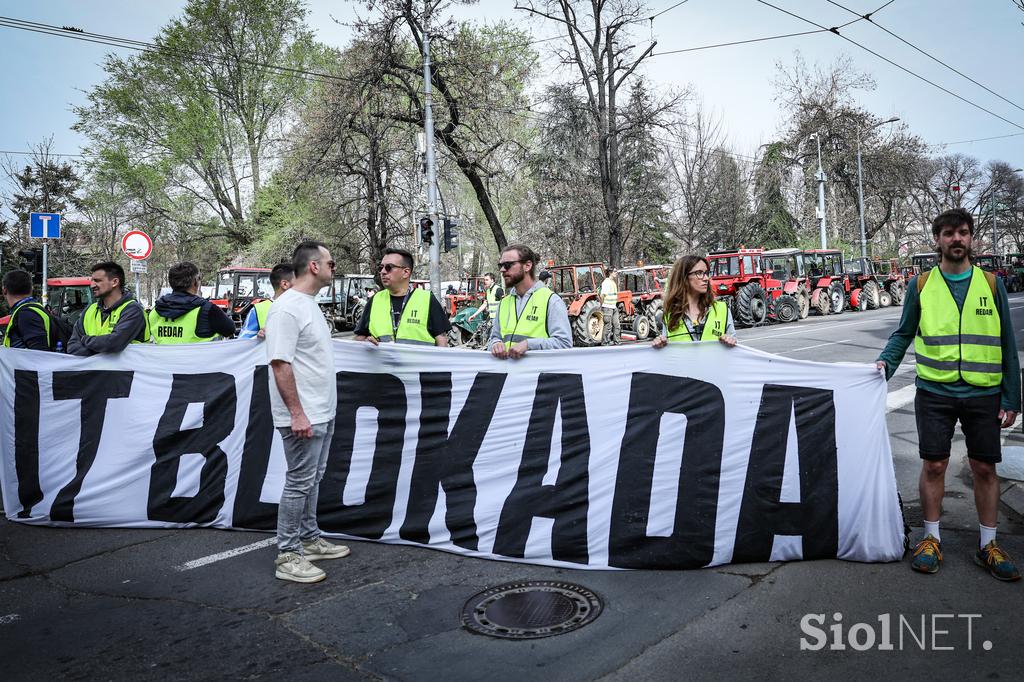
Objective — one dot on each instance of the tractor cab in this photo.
(923, 262)
(580, 288)
(343, 300)
(238, 288)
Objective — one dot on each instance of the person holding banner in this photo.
(281, 277)
(182, 316)
(114, 319)
(400, 313)
(25, 329)
(303, 401)
(531, 315)
(691, 311)
(958, 318)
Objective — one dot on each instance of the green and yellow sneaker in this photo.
(927, 555)
(998, 562)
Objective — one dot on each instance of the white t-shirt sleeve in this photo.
(282, 335)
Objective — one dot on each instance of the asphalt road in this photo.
(187, 604)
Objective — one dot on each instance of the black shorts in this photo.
(937, 416)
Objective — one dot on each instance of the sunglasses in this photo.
(388, 267)
(329, 264)
(507, 265)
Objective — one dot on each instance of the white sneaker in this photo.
(295, 567)
(321, 549)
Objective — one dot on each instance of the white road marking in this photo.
(807, 330)
(220, 556)
(900, 398)
(830, 343)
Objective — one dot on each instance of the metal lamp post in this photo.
(860, 188)
(820, 177)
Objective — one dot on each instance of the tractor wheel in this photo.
(655, 313)
(641, 326)
(455, 336)
(787, 309)
(823, 304)
(838, 298)
(751, 305)
(870, 294)
(588, 327)
(803, 298)
(897, 290)
(884, 299)
(357, 315)
(857, 300)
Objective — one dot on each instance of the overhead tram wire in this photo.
(835, 30)
(926, 54)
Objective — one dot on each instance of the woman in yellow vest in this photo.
(182, 316)
(691, 311)
(400, 314)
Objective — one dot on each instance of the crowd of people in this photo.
(956, 315)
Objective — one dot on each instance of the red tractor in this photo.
(787, 266)
(868, 285)
(830, 286)
(755, 295)
(471, 293)
(580, 288)
(647, 284)
(239, 288)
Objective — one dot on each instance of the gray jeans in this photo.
(612, 328)
(307, 459)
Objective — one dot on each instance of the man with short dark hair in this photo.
(183, 316)
(303, 401)
(492, 296)
(281, 277)
(114, 319)
(531, 315)
(958, 318)
(399, 313)
(29, 324)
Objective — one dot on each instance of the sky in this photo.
(44, 76)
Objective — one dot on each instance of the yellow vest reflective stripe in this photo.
(952, 344)
(412, 326)
(93, 323)
(492, 301)
(181, 330)
(714, 325)
(38, 310)
(609, 294)
(532, 324)
(262, 310)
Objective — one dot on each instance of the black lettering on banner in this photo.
(448, 461)
(567, 501)
(386, 393)
(26, 440)
(816, 516)
(249, 512)
(216, 391)
(692, 543)
(94, 388)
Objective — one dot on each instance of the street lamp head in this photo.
(892, 120)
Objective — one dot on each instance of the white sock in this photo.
(932, 528)
(987, 535)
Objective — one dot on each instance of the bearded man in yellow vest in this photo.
(114, 319)
(182, 316)
(281, 277)
(398, 313)
(531, 316)
(958, 318)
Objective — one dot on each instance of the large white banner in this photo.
(629, 457)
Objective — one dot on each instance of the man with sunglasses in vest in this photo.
(531, 316)
(114, 319)
(399, 313)
(967, 370)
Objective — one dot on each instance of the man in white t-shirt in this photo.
(303, 400)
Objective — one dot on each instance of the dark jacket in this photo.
(28, 330)
(130, 326)
(211, 320)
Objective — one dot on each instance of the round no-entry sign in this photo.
(137, 245)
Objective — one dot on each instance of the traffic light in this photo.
(426, 231)
(451, 234)
(31, 261)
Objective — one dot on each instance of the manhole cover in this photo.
(528, 610)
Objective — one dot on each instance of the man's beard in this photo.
(513, 280)
(947, 254)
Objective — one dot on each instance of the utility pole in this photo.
(821, 194)
(428, 130)
(860, 189)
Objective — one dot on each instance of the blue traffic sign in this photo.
(44, 225)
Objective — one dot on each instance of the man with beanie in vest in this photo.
(399, 313)
(281, 277)
(182, 316)
(114, 319)
(531, 316)
(958, 318)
